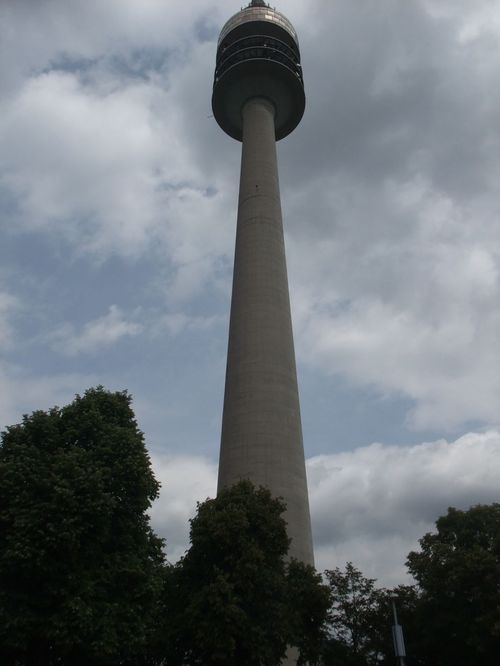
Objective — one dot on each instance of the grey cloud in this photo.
(391, 201)
(9, 304)
(369, 506)
(390, 184)
(392, 89)
(372, 505)
(92, 29)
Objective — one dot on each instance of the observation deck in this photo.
(258, 56)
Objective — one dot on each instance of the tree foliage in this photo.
(308, 603)
(354, 617)
(80, 568)
(83, 580)
(458, 572)
(360, 620)
(232, 599)
(452, 616)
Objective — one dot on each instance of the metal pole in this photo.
(397, 633)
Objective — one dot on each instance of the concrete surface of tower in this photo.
(258, 98)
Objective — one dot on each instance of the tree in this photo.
(308, 603)
(353, 616)
(230, 599)
(458, 572)
(361, 618)
(81, 571)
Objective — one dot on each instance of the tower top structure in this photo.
(258, 56)
(258, 10)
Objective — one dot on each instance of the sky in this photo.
(118, 195)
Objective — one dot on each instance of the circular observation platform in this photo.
(258, 56)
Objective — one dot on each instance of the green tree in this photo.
(229, 600)
(81, 570)
(308, 603)
(360, 620)
(353, 616)
(458, 572)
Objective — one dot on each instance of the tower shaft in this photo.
(261, 428)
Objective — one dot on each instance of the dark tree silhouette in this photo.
(458, 572)
(81, 570)
(233, 598)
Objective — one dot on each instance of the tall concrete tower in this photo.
(258, 98)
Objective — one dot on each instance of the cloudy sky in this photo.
(118, 197)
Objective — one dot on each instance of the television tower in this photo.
(258, 98)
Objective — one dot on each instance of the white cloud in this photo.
(101, 332)
(392, 207)
(22, 393)
(91, 29)
(105, 331)
(415, 313)
(370, 506)
(84, 164)
(107, 163)
(185, 480)
(390, 183)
